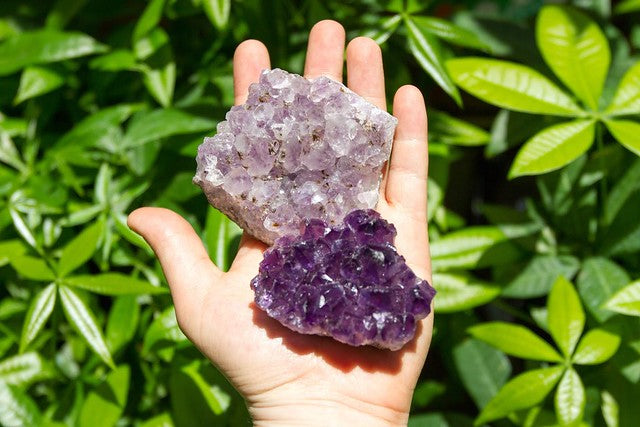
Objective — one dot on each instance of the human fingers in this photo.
(406, 186)
(325, 51)
(250, 58)
(184, 260)
(365, 75)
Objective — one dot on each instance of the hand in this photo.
(284, 376)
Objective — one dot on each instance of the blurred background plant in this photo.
(534, 201)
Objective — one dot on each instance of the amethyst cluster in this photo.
(346, 281)
(297, 149)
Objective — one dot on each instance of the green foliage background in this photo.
(534, 201)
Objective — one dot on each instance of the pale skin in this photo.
(288, 378)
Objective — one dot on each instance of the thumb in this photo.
(184, 260)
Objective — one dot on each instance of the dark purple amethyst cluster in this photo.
(346, 281)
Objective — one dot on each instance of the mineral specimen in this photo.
(345, 281)
(297, 149)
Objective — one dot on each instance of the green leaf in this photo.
(515, 340)
(84, 322)
(37, 80)
(438, 419)
(218, 12)
(160, 82)
(471, 247)
(62, 12)
(627, 97)
(163, 328)
(9, 153)
(597, 346)
(626, 300)
(44, 46)
(23, 229)
(17, 408)
(482, 369)
(524, 391)
(39, 312)
(511, 86)
(384, 29)
(113, 284)
(116, 60)
(628, 184)
(104, 405)
(626, 132)
(457, 292)
(566, 316)
(162, 420)
(449, 32)
(32, 268)
(627, 6)
(575, 49)
(217, 400)
(450, 130)
(219, 234)
(10, 249)
(80, 249)
(426, 49)
(122, 322)
(538, 276)
(553, 148)
(149, 19)
(598, 280)
(162, 123)
(570, 398)
(610, 409)
(22, 369)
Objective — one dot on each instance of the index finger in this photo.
(250, 58)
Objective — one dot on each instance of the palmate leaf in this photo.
(575, 49)
(32, 268)
(598, 280)
(626, 132)
(457, 292)
(566, 316)
(426, 49)
(512, 86)
(384, 29)
(626, 300)
(553, 148)
(627, 97)
(39, 312)
(597, 346)
(84, 322)
(44, 46)
(524, 391)
(449, 32)
(570, 398)
(482, 369)
(515, 340)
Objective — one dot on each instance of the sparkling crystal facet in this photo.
(346, 281)
(297, 149)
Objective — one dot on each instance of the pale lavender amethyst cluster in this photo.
(297, 149)
(345, 281)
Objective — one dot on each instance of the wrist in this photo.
(323, 411)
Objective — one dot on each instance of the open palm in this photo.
(286, 376)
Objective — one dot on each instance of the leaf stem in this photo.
(603, 182)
